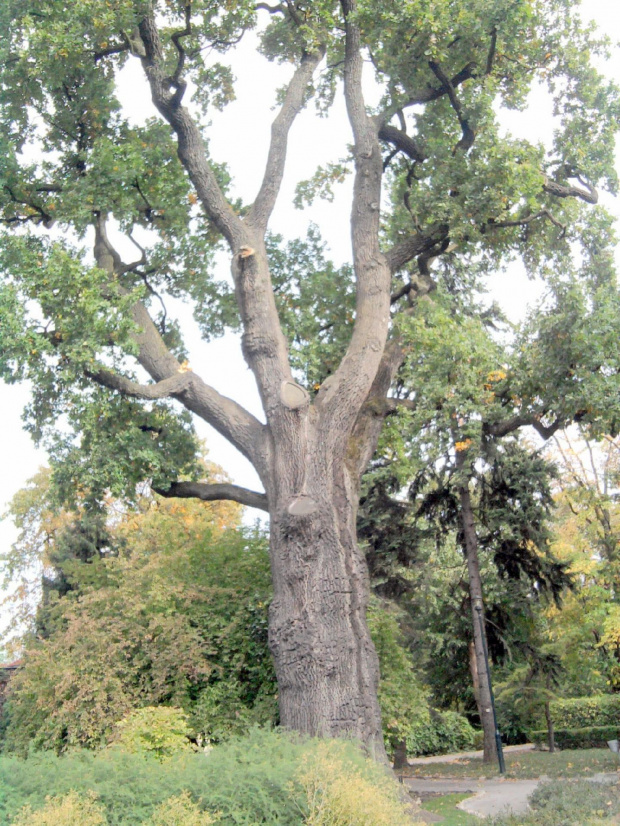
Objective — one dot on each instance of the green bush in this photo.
(584, 712)
(79, 810)
(344, 792)
(157, 730)
(439, 732)
(71, 810)
(592, 737)
(180, 811)
(244, 782)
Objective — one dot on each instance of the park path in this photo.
(489, 796)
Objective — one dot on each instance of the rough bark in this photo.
(549, 718)
(483, 695)
(473, 670)
(325, 662)
(400, 756)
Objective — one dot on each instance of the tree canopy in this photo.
(436, 178)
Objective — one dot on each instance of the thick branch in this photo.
(160, 390)
(521, 222)
(216, 492)
(401, 140)
(190, 146)
(264, 345)
(469, 135)
(228, 417)
(430, 93)
(588, 194)
(274, 171)
(510, 425)
(123, 47)
(270, 9)
(358, 368)
(405, 251)
(492, 50)
(177, 78)
(369, 424)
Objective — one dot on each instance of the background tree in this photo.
(458, 187)
(456, 391)
(174, 612)
(178, 616)
(585, 632)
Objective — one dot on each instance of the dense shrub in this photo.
(128, 786)
(341, 793)
(261, 778)
(80, 810)
(592, 737)
(405, 709)
(584, 712)
(157, 730)
(180, 811)
(71, 810)
(180, 613)
(439, 732)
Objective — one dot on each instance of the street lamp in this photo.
(498, 736)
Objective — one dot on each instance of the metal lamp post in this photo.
(498, 736)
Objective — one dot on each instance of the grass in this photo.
(525, 765)
(446, 807)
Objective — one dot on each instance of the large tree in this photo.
(104, 360)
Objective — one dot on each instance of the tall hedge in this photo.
(586, 712)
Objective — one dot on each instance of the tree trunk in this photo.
(473, 670)
(549, 719)
(482, 690)
(325, 661)
(400, 756)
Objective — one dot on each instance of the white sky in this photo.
(240, 135)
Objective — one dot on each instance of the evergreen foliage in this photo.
(266, 777)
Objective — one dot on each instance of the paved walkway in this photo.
(464, 755)
(489, 796)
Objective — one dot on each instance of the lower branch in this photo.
(160, 390)
(510, 425)
(215, 492)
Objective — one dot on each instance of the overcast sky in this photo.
(240, 136)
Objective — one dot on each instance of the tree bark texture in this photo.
(481, 691)
(549, 720)
(325, 661)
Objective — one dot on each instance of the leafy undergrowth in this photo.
(267, 777)
(445, 805)
(523, 765)
(568, 803)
